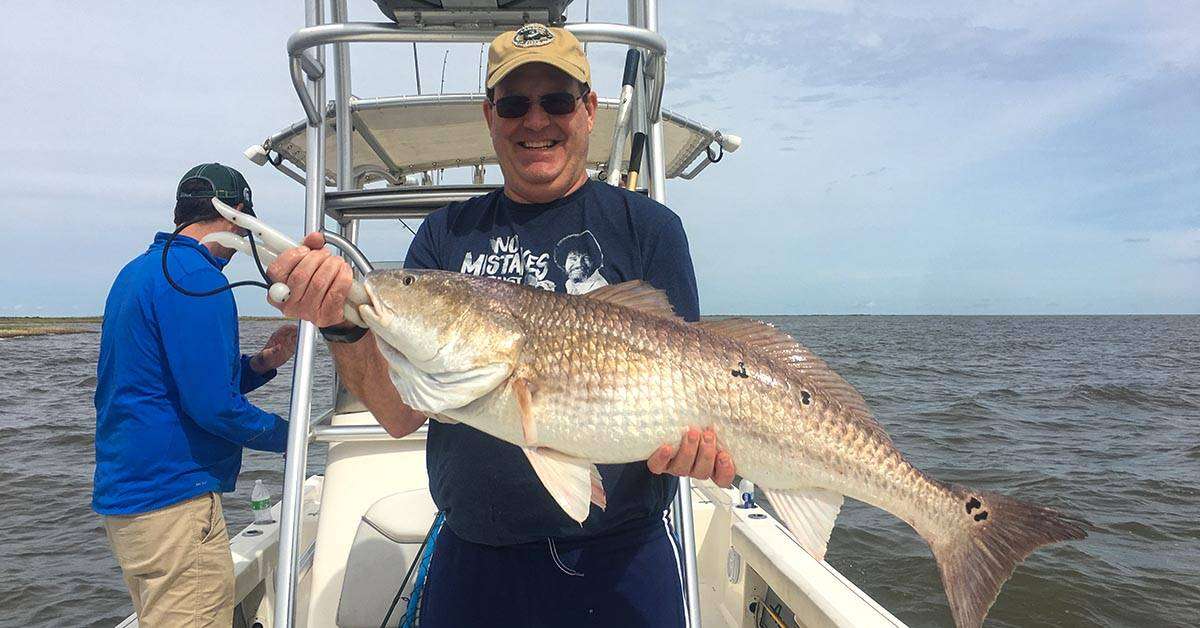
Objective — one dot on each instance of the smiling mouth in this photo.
(542, 145)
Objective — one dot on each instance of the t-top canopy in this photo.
(414, 134)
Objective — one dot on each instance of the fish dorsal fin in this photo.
(637, 295)
(809, 514)
(573, 483)
(769, 341)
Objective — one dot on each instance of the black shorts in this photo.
(629, 577)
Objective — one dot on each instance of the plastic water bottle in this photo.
(747, 489)
(260, 503)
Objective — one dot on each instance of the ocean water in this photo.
(1096, 416)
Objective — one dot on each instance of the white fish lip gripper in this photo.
(269, 243)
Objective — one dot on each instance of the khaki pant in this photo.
(176, 563)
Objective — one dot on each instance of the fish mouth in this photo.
(364, 302)
(381, 320)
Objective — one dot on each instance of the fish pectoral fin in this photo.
(574, 483)
(809, 514)
(523, 390)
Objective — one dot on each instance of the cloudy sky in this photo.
(914, 157)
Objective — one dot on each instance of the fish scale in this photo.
(610, 376)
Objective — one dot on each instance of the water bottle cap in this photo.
(258, 482)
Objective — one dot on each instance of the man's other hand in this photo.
(319, 282)
(698, 457)
(280, 348)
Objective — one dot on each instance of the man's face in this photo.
(543, 157)
(578, 266)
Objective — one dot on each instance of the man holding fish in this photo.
(507, 546)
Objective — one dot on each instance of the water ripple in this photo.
(1032, 406)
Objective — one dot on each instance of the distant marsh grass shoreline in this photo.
(26, 326)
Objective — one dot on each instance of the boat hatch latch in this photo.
(733, 566)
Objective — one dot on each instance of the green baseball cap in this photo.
(224, 183)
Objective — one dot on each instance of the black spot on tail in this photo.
(975, 560)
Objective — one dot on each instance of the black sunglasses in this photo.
(556, 104)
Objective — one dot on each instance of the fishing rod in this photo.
(268, 245)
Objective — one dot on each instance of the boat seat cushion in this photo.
(387, 541)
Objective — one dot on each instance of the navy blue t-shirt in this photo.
(595, 236)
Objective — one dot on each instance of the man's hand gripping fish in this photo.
(610, 376)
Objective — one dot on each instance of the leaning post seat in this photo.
(360, 476)
(387, 541)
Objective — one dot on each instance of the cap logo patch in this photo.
(532, 35)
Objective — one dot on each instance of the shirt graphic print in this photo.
(578, 256)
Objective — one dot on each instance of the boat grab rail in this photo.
(302, 64)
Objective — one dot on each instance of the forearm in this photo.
(254, 373)
(364, 372)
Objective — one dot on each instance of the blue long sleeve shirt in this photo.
(171, 412)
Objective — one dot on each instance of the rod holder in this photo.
(636, 151)
(624, 107)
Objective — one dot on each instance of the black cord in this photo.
(208, 293)
(411, 566)
(254, 253)
(720, 153)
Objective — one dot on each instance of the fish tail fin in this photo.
(988, 536)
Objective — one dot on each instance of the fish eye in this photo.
(408, 279)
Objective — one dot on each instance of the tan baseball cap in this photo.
(537, 43)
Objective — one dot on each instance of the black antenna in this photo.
(417, 67)
(443, 85)
(587, 16)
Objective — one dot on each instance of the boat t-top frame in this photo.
(462, 21)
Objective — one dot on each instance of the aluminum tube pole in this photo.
(341, 107)
(301, 407)
(658, 191)
(344, 124)
(345, 121)
(306, 100)
(292, 174)
(380, 32)
(343, 433)
(637, 123)
(657, 167)
(349, 251)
